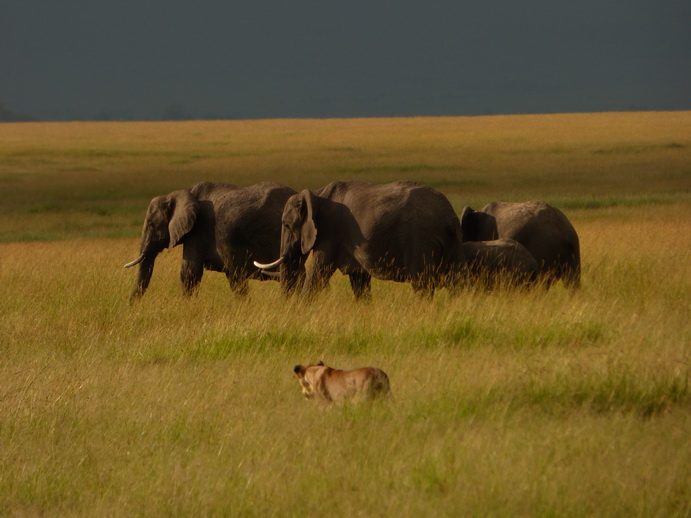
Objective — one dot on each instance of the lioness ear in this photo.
(299, 369)
(321, 364)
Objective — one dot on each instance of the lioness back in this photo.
(364, 383)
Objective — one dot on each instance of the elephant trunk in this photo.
(265, 274)
(293, 275)
(146, 269)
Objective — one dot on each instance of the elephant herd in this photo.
(401, 231)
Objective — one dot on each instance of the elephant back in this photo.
(545, 231)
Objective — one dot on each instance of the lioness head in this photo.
(309, 378)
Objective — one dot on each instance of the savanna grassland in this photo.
(538, 403)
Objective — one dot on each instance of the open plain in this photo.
(506, 403)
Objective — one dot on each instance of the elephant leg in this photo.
(293, 276)
(318, 274)
(238, 284)
(571, 275)
(423, 286)
(453, 280)
(361, 282)
(190, 276)
(546, 279)
(237, 274)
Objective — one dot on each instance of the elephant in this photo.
(401, 231)
(542, 229)
(222, 228)
(490, 262)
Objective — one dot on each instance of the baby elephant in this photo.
(500, 260)
(332, 385)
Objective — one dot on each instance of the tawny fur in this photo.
(332, 385)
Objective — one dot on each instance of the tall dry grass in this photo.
(506, 402)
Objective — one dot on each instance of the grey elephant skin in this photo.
(401, 231)
(542, 229)
(222, 228)
(491, 263)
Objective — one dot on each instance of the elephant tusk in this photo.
(270, 265)
(135, 262)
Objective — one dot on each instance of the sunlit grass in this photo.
(189, 406)
(506, 403)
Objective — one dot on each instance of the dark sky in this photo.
(82, 59)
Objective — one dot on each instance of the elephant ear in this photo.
(183, 207)
(468, 224)
(308, 233)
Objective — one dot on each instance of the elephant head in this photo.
(298, 236)
(299, 228)
(478, 226)
(168, 219)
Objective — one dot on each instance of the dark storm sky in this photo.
(76, 59)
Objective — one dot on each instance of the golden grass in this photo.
(506, 403)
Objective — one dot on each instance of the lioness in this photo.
(332, 385)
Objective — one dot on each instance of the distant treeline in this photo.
(172, 112)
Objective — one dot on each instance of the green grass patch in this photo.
(637, 148)
(560, 334)
(620, 391)
(605, 202)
